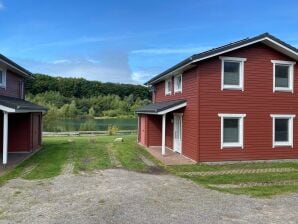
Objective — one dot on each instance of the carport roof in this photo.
(162, 107)
(16, 105)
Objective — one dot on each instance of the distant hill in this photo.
(82, 88)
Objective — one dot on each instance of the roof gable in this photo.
(265, 38)
(15, 67)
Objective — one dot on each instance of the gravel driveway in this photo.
(120, 196)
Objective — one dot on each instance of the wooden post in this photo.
(163, 149)
(5, 137)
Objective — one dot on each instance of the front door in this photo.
(177, 133)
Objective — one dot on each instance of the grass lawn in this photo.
(234, 179)
(101, 152)
(83, 154)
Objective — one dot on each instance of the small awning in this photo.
(162, 107)
(16, 105)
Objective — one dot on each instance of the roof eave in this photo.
(266, 38)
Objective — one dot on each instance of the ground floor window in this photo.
(231, 130)
(282, 130)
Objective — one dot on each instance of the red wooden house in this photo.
(21, 121)
(235, 102)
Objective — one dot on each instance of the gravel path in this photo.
(119, 196)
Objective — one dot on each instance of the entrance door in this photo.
(177, 133)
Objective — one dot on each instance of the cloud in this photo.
(160, 51)
(108, 67)
(141, 76)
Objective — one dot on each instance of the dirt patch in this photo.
(120, 196)
(67, 169)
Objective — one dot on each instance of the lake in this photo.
(64, 125)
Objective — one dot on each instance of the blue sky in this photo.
(130, 41)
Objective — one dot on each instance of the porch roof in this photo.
(16, 105)
(162, 107)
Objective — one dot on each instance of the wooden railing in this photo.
(87, 133)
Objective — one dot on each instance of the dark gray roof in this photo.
(20, 105)
(221, 49)
(12, 63)
(158, 107)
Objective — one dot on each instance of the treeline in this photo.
(79, 98)
(82, 88)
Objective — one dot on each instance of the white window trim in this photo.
(291, 75)
(167, 91)
(241, 73)
(175, 88)
(241, 130)
(3, 85)
(291, 127)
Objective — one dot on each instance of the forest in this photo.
(80, 98)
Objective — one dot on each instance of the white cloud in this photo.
(107, 67)
(61, 61)
(140, 76)
(159, 51)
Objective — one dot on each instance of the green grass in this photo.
(93, 153)
(258, 191)
(84, 153)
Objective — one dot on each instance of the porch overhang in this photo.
(15, 105)
(162, 108)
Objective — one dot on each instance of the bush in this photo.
(112, 129)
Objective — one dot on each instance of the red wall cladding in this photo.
(190, 130)
(13, 85)
(24, 133)
(257, 101)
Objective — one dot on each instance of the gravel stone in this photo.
(121, 196)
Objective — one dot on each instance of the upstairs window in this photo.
(168, 87)
(2, 78)
(178, 83)
(282, 129)
(283, 76)
(232, 73)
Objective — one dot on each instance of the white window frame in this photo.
(241, 72)
(241, 130)
(175, 86)
(291, 75)
(3, 84)
(168, 91)
(290, 126)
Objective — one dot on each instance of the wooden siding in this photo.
(154, 130)
(13, 85)
(257, 101)
(190, 113)
(24, 132)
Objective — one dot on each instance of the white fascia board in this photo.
(229, 50)
(172, 109)
(247, 44)
(15, 68)
(7, 109)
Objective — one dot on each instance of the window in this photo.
(2, 78)
(283, 75)
(282, 129)
(231, 130)
(232, 73)
(168, 87)
(178, 83)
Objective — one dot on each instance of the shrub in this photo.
(112, 129)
